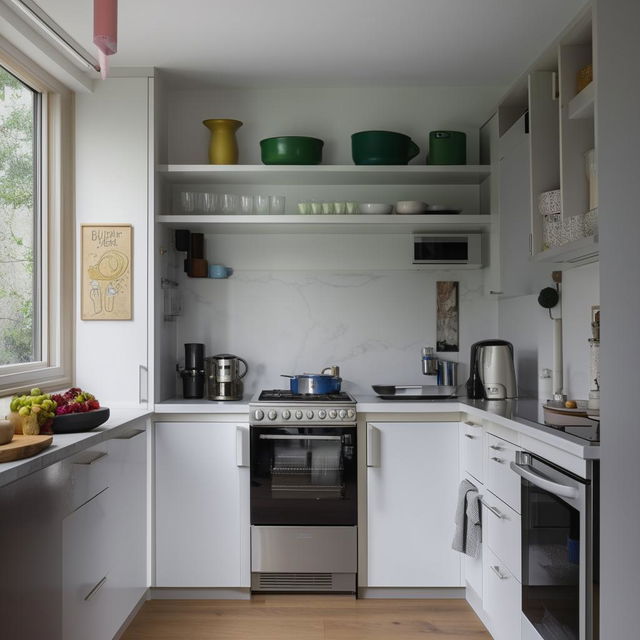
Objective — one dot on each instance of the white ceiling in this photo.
(328, 42)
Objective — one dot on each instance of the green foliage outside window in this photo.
(17, 218)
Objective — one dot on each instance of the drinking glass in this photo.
(230, 203)
(246, 204)
(188, 201)
(207, 202)
(262, 204)
(276, 204)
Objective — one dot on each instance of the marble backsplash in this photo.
(372, 324)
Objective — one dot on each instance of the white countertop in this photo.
(66, 444)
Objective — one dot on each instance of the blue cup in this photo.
(219, 271)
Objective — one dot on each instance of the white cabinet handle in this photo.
(496, 570)
(493, 510)
(95, 589)
(468, 435)
(373, 446)
(242, 458)
(495, 447)
(498, 460)
(473, 424)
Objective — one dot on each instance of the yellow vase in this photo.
(223, 148)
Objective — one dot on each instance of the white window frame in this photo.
(55, 368)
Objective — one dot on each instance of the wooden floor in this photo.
(305, 617)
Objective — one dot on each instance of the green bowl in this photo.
(382, 147)
(291, 150)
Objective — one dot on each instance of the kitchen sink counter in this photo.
(507, 413)
(67, 444)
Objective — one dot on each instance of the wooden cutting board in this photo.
(23, 447)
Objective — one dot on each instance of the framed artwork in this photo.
(106, 282)
(447, 324)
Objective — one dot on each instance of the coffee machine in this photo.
(224, 380)
(491, 371)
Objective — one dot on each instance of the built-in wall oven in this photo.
(559, 550)
(303, 492)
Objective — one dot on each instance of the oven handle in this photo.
(525, 471)
(268, 436)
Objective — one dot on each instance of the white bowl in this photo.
(374, 207)
(411, 206)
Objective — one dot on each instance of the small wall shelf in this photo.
(581, 106)
(576, 253)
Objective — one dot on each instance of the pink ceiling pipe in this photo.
(105, 31)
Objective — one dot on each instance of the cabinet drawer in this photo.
(501, 480)
(502, 532)
(472, 449)
(501, 598)
(85, 550)
(89, 475)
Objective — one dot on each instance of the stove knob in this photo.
(322, 414)
(332, 414)
(298, 415)
(351, 413)
(286, 414)
(342, 413)
(310, 414)
(272, 415)
(258, 414)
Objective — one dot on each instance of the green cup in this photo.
(382, 147)
(447, 147)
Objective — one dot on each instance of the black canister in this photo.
(192, 375)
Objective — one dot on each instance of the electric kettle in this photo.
(492, 374)
(224, 380)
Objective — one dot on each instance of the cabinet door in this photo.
(127, 523)
(411, 503)
(202, 505)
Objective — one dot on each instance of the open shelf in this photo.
(581, 106)
(328, 224)
(325, 174)
(577, 252)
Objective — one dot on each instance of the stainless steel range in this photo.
(303, 492)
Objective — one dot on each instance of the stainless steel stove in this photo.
(281, 406)
(304, 498)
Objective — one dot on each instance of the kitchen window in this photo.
(36, 257)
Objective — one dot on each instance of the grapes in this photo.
(75, 400)
(34, 404)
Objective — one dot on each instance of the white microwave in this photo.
(462, 250)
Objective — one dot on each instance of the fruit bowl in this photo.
(79, 422)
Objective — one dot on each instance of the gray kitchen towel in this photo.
(468, 533)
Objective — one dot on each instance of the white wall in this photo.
(618, 141)
(298, 303)
(331, 114)
(527, 325)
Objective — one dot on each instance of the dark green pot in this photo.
(382, 147)
(291, 150)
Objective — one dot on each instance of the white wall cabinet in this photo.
(202, 504)
(412, 483)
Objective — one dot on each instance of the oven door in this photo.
(556, 550)
(303, 475)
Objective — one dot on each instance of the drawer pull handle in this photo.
(95, 589)
(472, 424)
(496, 570)
(468, 435)
(89, 461)
(493, 510)
(130, 435)
(498, 460)
(495, 447)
